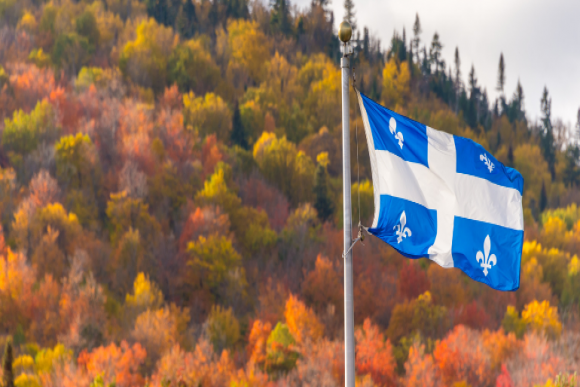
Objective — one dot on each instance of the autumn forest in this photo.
(171, 205)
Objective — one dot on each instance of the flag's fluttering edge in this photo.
(444, 197)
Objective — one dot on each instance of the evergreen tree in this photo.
(398, 47)
(483, 114)
(571, 172)
(280, 17)
(510, 156)
(238, 135)
(375, 92)
(543, 198)
(516, 108)
(472, 108)
(322, 201)
(457, 79)
(473, 88)
(501, 74)
(8, 372)
(416, 37)
(425, 64)
(213, 14)
(237, 9)
(435, 53)
(186, 19)
(366, 43)
(547, 141)
(578, 127)
(349, 13)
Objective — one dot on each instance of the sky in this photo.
(540, 41)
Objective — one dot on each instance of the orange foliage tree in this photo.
(461, 356)
(302, 321)
(374, 355)
(115, 364)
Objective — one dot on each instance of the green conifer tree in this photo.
(516, 108)
(457, 68)
(416, 37)
(322, 202)
(457, 79)
(547, 141)
(501, 74)
(8, 372)
(238, 135)
(280, 17)
(186, 19)
(435, 53)
(571, 171)
(543, 198)
(366, 42)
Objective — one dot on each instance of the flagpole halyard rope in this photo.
(360, 237)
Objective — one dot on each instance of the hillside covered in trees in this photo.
(170, 205)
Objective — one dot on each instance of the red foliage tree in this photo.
(472, 315)
(413, 280)
(504, 379)
(178, 145)
(68, 110)
(256, 192)
(203, 221)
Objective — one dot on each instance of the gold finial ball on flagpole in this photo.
(344, 31)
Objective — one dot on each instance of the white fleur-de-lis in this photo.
(483, 157)
(402, 231)
(393, 129)
(399, 136)
(486, 260)
(393, 125)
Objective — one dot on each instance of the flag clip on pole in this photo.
(344, 34)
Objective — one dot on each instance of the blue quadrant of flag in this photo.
(444, 197)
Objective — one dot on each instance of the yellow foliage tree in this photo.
(528, 160)
(396, 77)
(543, 318)
(207, 115)
(217, 266)
(223, 328)
(191, 67)
(249, 46)
(292, 171)
(321, 80)
(251, 225)
(144, 60)
(554, 232)
(146, 295)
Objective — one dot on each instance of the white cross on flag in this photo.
(444, 197)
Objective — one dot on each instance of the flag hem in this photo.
(373, 159)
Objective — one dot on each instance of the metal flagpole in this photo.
(345, 33)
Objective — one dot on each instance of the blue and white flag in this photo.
(444, 197)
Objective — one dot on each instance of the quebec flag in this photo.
(444, 197)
